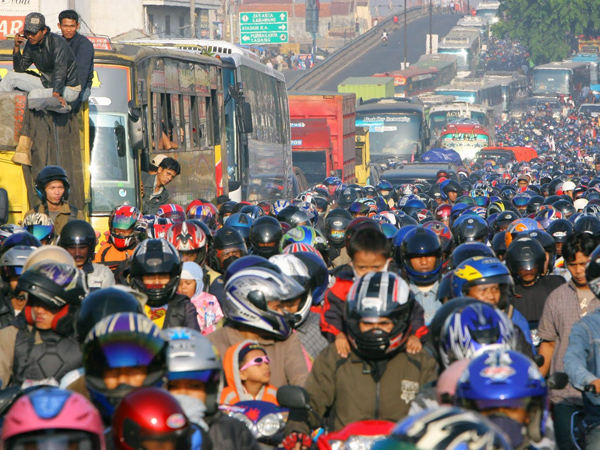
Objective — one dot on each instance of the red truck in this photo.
(323, 131)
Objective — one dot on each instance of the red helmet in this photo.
(158, 228)
(443, 212)
(171, 211)
(205, 211)
(150, 414)
(123, 218)
(188, 237)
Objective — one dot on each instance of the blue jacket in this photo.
(520, 321)
(582, 360)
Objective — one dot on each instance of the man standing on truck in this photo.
(58, 86)
(68, 22)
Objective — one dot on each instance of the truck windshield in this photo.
(392, 134)
(551, 81)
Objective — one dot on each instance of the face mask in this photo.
(513, 429)
(227, 262)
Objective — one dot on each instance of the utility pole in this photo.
(405, 37)
(430, 27)
(193, 19)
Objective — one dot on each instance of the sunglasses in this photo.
(256, 362)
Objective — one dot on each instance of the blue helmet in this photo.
(447, 427)
(420, 242)
(241, 222)
(468, 250)
(501, 378)
(472, 328)
(397, 242)
(481, 270)
(278, 206)
(413, 205)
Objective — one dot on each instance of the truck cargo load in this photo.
(367, 88)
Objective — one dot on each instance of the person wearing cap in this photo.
(155, 163)
(83, 49)
(524, 180)
(59, 84)
(568, 187)
(154, 191)
(247, 374)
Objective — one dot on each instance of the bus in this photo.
(515, 87)
(465, 45)
(412, 81)
(476, 91)
(561, 78)
(137, 94)
(466, 136)
(474, 23)
(594, 60)
(259, 161)
(488, 10)
(445, 65)
(440, 115)
(397, 127)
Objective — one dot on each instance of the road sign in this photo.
(264, 27)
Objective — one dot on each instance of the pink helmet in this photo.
(50, 413)
(446, 384)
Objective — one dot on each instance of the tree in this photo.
(547, 27)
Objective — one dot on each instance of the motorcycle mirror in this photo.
(293, 397)
(539, 360)
(558, 380)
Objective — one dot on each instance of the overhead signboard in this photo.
(264, 27)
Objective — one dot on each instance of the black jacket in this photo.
(181, 313)
(84, 55)
(54, 59)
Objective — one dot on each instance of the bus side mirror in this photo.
(134, 126)
(120, 140)
(244, 113)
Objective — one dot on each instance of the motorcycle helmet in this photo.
(205, 212)
(147, 415)
(503, 379)
(249, 261)
(13, 260)
(503, 220)
(565, 207)
(442, 213)
(23, 239)
(171, 211)
(469, 250)
(49, 418)
(155, 256)
(225, 210)
(265, 236)
(253, 211)
(421, 242)
(189, 240)
(547, 242)
(228, 245)
(58, 287)
(319, 275)
(248, 294)
(373, 296)
(520, 225)
(157, 228)
(78, 232)
(47, 175)
(470, 228)
(294, 216)
(101, 303)
(499, 244)
(482, 270)
(191, 356)
(241, 222)
(445, 428)
(41, 226)
(119, 341)
(525, 253)
(587, 224)
(448, 186)
(49, 252)
(560, 230)
(124, 219)
(336, 224)
(304, 235)
(471, 328)
(278, 206)
(384, 188)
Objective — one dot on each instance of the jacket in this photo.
(152, 202)
(111, 256)
(227, 433)
(66, 214)
(98, 276)
(54, 59)
(234, 391)
(347, 387)
(181, 313)
(83, 50)
(287, 360)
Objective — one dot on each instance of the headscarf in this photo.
(192, 271)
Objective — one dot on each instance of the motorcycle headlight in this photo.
(336, 445)
(243, 418)
(361, 442)
(270, 424)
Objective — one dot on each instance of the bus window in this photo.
(215, 116)
(200, 114)
(184, 103)
(177, 130)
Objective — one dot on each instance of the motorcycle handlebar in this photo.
(589, 388)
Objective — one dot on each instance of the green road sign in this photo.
(264, 27)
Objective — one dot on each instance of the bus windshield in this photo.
(112, 161)
(392, 134)
(551, 81)
(462, 96)
(462, 57)
(439, 119)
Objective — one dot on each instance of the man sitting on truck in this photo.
(58, 85)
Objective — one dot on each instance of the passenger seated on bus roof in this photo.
(59, 83)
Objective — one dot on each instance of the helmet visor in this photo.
(54, 440)
(125, 353)
(206, 376)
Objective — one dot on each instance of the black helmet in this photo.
(347, 197)
(59, 287)
(226, 238)
(375, 295)
(265, 234)
(294, 216)
(534, 203)
(499, 243)
(470, 228)
(104, 302)
(547, 242)
(155, 256)
(560, 230)
(525, 253)
(47, 175)
(336, 223)
(587, 224)
(469, 250)
(253, 211)
(504, 219)
(226, 208)
(565, 207)
(592, 272)
(78, 232)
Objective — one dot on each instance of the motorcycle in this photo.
(265, 420)
(360, 435)
(384, 41)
